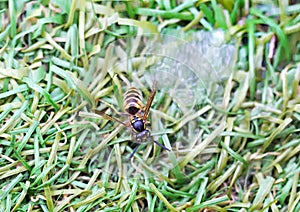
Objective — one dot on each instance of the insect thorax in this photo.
(137, 124)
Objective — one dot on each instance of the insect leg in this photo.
(108, 117)
(159, 144)
(134, 150)
(112, 107)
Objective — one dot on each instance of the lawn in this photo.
(224, 121)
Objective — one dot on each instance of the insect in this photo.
(137, 116)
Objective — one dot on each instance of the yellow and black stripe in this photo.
(133, 101)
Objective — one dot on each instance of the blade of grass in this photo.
(22, 196)
(201, 192)
(164, 14)
(11, 186)
(132, 196)
(276, 28)
(208, 203)
(13, 18)
(199, 148)
(42, 91)
(251, 49)
(265, 187)
(279, 129)
(14, 91)
(12, 121)
(161, 197)
(219, 15)
(294, 196)
(27, 136)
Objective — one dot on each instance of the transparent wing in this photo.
(188, 68)
(191, 68)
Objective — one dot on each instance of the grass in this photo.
(227, 105)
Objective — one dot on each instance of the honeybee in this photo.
(138, 115)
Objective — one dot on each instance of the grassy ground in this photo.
(233, 127)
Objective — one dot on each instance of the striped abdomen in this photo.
(133, 101)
